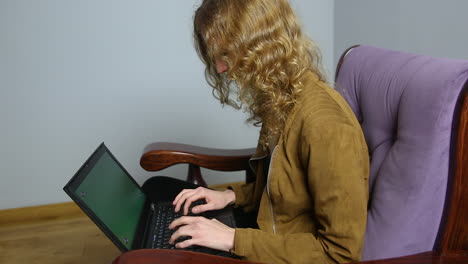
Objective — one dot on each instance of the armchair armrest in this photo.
(160, 256)
(157, 256)
(161, 155)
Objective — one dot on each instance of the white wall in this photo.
(431, 27)
(317, 17)
(76, 73)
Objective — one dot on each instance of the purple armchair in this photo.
(414, 113)
(408, 107)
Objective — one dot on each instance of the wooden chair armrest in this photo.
(160, 155)
(160, 256)
(156, 256)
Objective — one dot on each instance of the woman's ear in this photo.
(221, 66)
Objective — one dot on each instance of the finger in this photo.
(176, 223)
(194, 197)
(182, 199)
(186, 243)
(180, 195)
(202, 208)
(181, 231)
(184, 220)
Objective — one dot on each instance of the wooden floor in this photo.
(58, 233)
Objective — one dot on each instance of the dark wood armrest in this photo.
(156, 256)
(160, 256)
(160, 155)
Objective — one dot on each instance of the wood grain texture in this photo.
(35, 214)
(156, 256)
(454, 228)
(160, 155)
(194, 175)
(58, 233)
(159, 256)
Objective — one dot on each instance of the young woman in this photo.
(311, 164)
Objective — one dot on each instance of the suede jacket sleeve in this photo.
(335, 160)
(248, 195)
(243, 193)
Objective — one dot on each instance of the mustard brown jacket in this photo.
(312, 202)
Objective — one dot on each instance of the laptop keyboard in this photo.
(163, 216)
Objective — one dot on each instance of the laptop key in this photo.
(163, 218)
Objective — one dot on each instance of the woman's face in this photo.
(221, 66)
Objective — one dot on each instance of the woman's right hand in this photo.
(215, 200)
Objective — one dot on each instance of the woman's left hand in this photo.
(203, 232)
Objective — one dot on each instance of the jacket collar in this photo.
(261, 153)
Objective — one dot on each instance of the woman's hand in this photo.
(203, 232)
(215, 200)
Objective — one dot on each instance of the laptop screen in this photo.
(110, 193)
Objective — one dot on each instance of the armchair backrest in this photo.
(408, 106)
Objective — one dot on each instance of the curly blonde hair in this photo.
(266, 53)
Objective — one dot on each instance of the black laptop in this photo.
(107, 193)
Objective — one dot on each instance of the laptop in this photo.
(107, 193)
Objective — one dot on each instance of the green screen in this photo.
(114, 197)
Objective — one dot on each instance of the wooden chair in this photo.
(161, 155)
(450, 243)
